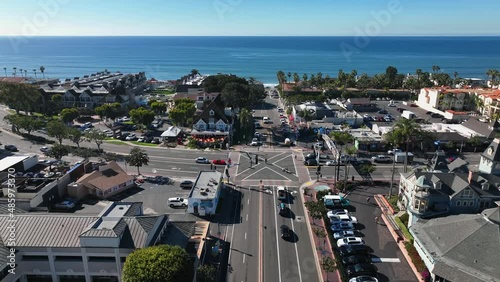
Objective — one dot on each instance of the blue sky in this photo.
(249, 17)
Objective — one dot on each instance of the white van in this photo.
(177, 202)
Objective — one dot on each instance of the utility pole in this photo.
(392, 177)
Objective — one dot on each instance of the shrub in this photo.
(415, 257)
(404, 218)
(404, 229)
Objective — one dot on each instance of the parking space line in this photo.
(386, 260)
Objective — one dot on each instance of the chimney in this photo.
(437, 185)
(469, 179)
(485, 186)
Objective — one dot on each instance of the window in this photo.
(471, 203)
(102, 259)
(68, 258)
(416, 204)
(212, 113)
(35, 258)
(459, 203)
(467, 193)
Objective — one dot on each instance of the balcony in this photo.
(100, 267)
(65, 265)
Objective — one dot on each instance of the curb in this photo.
(309, 229)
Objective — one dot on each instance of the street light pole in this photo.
(393, 170)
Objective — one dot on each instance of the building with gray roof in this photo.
(204, 195)
(460, 247)
(50, 247)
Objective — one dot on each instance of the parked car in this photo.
(177, 202)
(383, 112)
(331, 163)
(355, 259)
(363, 278)
(219, 162)
(400, 110)
(350, 241)
(311, 162)
(337, 212)
(131, 137)
(67, 204)
(429, 113)
(395, 151)
(141, 139)
(363, 162)
(343, 234)
(124, 135)
(201, 160)
(187, 184)
(342, 226)
(362, 269)
(11, 148)
(350, 250)
(286, 233)
(155, 140)
(148, 139)
(310, 156)
(381, 159)
(44, 149)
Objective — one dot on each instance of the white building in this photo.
(204, 195)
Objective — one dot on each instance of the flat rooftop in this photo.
(206, 185)
(7, 162)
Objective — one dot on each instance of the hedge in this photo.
(415, 257)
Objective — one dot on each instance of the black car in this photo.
(286, 233)
(11, 148)
(350, 250)
(311, 162)
(310, 157)
(187, 184)
(155, 141)
(362, 269)
(429, 113)
(383, 112)
(436, 115)
(355, 259)
(124, 135)
(283, 210)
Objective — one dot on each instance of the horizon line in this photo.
(135, 35)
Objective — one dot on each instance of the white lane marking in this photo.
(386, 260)
(281, 159)
(238, 161)
(276, 156)
(244, 256)
(277, 237)
(176, 170)
(232, 234)
(248, 202)
(246, 220)
(296, 251)
(245, 235)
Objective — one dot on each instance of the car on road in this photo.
(350, 250)
(124, 135)
(311, 162)
(131, 137)
(362, 269)
(343, 234)
(187, 184)
(283, 209)
(44, 149)
(363, 278)
(383, 112)
(350, 241)
(395, 151)
(219, 162)
(155, 140)
(202, 160)
(11, 148)
(177, 202)
(286, 233)
(355, 259)
(381, 159)
(342, 226)
(310, 157)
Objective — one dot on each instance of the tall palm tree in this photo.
(137, 158)
(5, 70)
(304, 77)
(404, 132)
(341, 139)
(25, 73)
(42, 70)
(15, 71)
(296, 78)
(289, 74)
(21, 71)
(280, 75)
(246, 120)
(34, 70)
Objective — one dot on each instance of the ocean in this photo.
(258, 57)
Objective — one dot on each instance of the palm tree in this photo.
(280, 75)
(435, 69)
(194, 72)
(455, 75)
(296, 78)
(289, 74)
(25, 73)
(34, 70)
(404, 132)
(341, 139)
(42, 70)
(304, 77)
(5, 70)
(15, 71)
(137, 158)
(246, 120)
(21, 71)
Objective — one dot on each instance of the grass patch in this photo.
(393, 201)
(404, 229)
(116, 142)
(143, 144)
(128, 122)
(163, 91)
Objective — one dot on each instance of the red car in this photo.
(219, 162)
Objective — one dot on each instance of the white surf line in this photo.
(296, 251)
(277, 237)
(386, 260)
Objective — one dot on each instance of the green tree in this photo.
(304, 77)
(69, 114)
(329, 265)
(97, 137)
(246, 121)
(142, 116)
(137, 158)
(30, 124)
(164, 263)
(194, 72)
(404, 131)
(159, 107)
(316, 209)
(58, 130)
(58, 151)
(475, 141)
(206, 273)
(296, 77)
(56, 99)
(341, 138)
(20, 96)
(42, 70)
(75, 135)
(280, 75)
(183, 112)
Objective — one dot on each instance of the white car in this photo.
(350, 241)
(337, 212)
(141, 139)
(331, 163)
(343, 234)
(177, 202)
(202, 160)
(395, 151)
(343, 218)
(44, 149)
(363, 278)
(132, 136)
